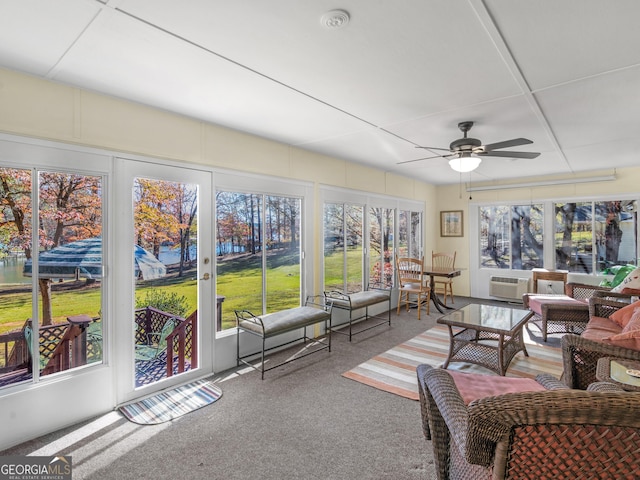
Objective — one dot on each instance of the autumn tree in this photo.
(69, 210)
(238, 221)
(15, 202)
(154, 220)
(185, 209)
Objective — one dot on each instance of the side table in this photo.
(614, 370)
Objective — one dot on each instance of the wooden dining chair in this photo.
(413, 288)
(444, 285)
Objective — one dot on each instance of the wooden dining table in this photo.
(434, 272)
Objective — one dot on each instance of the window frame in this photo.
(335, 195)
(42, 156)
(480, 276)
(266, 186)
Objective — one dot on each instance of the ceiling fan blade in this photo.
(528, 155)
(424, 158)
(516, 142)
(433, 148)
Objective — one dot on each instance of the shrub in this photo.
(168, 302)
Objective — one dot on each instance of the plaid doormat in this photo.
(172, 404)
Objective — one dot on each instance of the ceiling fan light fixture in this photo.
(465, 163)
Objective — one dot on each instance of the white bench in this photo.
(353, 302)
(315, 310)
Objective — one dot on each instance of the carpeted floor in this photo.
(304, 421)
(394, 370)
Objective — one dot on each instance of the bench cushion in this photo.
(286, 320)
(362, 299)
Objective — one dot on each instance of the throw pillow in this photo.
(630, 335)
(634, 322)
(632, 280)
(623, 315)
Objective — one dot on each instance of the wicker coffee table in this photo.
(488, 335)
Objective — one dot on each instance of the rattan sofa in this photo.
(559, 433)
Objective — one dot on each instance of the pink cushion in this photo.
(599, 328)
(473, 386)
(630, 335)
(537, 301)
(623, 315)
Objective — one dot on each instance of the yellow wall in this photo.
(38, 108)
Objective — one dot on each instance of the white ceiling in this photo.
(563, 73)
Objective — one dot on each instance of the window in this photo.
(409, 234)
(361, 240)
(343, 225)
(66, 332)
(258, 253)
(381, 263)
(592, 237)
(166, 233)
(511, 236)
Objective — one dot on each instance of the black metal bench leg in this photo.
(237, 347)
(262, 357)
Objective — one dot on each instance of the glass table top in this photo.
(619, 373)
(491, 317)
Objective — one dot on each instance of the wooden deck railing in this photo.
(65, 345)
(14, 351)
(71, 350)
(183, 341)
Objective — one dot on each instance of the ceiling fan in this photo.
(465, 153)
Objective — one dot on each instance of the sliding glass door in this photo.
(258, 255)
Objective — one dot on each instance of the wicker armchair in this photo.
(567, 313)
(580, 355)
(534, 435)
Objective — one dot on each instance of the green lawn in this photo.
(16, 307)
(333, 267)
(239, 279)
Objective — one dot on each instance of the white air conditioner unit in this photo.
(511, 288)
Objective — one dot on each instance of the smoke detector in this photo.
(335, 19)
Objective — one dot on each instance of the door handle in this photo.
(206, 276)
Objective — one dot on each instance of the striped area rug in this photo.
(172, 403)
(394, 371)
